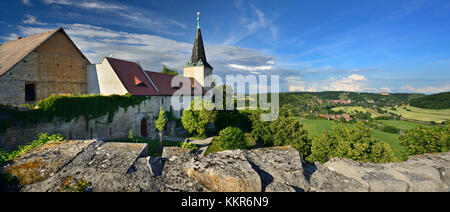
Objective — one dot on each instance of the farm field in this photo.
(316, 126)
(355, 109)
(394, 141)
(403, 125)
(421, 114)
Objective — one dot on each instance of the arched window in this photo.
(30, 92)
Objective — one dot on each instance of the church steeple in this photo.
(197, 67)
(198, 57)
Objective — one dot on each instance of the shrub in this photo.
(390, 129)
(353, 141)
(162, 120)
(238, 119)
(189, 145)
(420, 140)
(231, 138)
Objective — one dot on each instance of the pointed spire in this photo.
(198, 57)
(198, 20)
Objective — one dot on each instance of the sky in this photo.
(400, 46)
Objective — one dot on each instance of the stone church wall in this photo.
(124, 120)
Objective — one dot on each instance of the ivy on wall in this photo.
(68, 108)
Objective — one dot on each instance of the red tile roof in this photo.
(133, 79)
(163, 83)
(127, 72)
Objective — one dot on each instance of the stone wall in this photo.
(99, 128)
(56, 67)
(122, 167)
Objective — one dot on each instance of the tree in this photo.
(161, 123)
(261, 131)
(231, 138)
(166, 70)
(196, 117)
(287, 131)
(420, 140)
(353, 141)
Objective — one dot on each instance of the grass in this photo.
(394, 141)
(153, 145)
(356, 109)
(315, 127)
(402, 125)
(421, 114)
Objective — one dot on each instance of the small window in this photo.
(30, 92)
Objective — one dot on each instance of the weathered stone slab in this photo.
(323, 179)
(279, 187)
(169, 152)
(226, 171)
(419, 173)
(278, 164)
(175, 178)
(46, 160)
(117, 157)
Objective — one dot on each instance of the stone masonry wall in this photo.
(124, 120)
(56, 67)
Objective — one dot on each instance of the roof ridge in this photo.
(3, 70)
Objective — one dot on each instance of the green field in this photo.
(316, 126)
(356, 109)
(394, 141)
(421, 114)
(402, 125)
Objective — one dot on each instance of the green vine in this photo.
(70, 107)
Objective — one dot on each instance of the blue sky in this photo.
(358, 45)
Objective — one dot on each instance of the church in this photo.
(35, 67)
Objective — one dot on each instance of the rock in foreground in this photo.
(97, 166)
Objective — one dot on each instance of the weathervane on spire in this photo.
(198, 20)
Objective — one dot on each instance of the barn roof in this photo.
(12, 52)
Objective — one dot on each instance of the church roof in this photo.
(12, 52)
(198, 57)
(148, 83)
(164, 84)
(132, 77)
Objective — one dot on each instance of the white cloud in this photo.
(428, 89)
(26, 2)
(354, 82)
(134, 17)
(62, 2)
(385, 89)
(250, 68)
(101, 5)
(252, 21)
(32, 20)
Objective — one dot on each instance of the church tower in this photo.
(197, 67)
